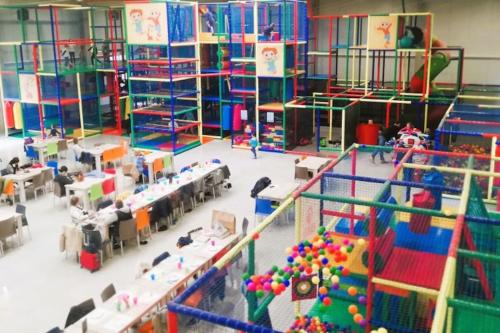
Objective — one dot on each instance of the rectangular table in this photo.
(313, 164)
(278, 193)
(41, 147)
(82, 188)
(98, 151)
(154, 288)
(22, 176)
(150, 158)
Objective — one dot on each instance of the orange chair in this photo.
(157, 166)
(107, 156)
(142, 223)
(9, 190)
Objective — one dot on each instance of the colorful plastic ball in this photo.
(357, 318)
(286, 283)
(335, 279)
(363, 322)
(259, 293)
(289, 250)
(274, 268)
(362, 300)
(361, 242)
(321, 230)
(251, 287)
(353, 309)
(336, 286)
(352, 291)
(327, 301)
(323, 291)
(255, 236)
(345, 241)
(315, 280)
(322, 307)
(382, 330)
(245, 276)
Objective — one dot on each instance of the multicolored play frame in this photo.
(444, 277)
(77, 92)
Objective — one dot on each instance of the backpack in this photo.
(259, 186)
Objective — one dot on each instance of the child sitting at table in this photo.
(63, 179)
(13, 166)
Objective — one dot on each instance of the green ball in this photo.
(245, 276)
(286, 276)
(322, 251)
(259, 293)
(281, 272)
(333, 270)
(322, 307)
(309, 258)
(296, 274)
(321, 230)
(275, 268)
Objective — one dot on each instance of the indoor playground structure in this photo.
(414, 251)
(63, 68)
(163, 73)
(380, 67)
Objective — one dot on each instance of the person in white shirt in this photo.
(77, 213)
(77, 149)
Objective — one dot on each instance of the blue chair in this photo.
(216, 160)
(186, 168)
(53, 164)
(263, 207)
(31, 153)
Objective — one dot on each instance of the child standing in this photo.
(253, 145)
(380, 142)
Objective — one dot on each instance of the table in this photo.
(151, 157)
(164, 188)
(278, 192)
(22, 176)
(97, 152)
(84, 186)
(6, 214)
(313, 164)
(41, 147)
(155, 287)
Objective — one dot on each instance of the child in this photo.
(380, 142)
(54, 132)
(253, 146)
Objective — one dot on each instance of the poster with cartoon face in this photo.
(269, 59)
(382, 32)
(29, 91)
(146, 23)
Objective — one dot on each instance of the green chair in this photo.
(52, 149)
(96, 192)
(167, 162)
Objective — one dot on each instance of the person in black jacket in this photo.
(392, 131)
(63, 179)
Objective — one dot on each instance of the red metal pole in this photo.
(116, 85)
(330, 39)
(172, 322)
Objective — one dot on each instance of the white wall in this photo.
(472, 24)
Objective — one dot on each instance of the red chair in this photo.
(110, 171)
(108, 186)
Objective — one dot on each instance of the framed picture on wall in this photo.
(146, 23)
(382, 32)
(269, 59)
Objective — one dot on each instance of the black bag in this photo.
(92, 239)
(259, 186)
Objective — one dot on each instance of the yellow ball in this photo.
(289, 250)
(315, 267)
(326, 272)
(447, 212)
(361, 242)
(343, 249)
(335, 279)
(382, 330)
(315, 280)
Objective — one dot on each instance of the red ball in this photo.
(255, 236)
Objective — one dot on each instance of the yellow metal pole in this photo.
(492, 166)
(80, 104)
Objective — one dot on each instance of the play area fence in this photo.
(410, 251)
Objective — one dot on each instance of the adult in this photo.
(392, 131)
(13, 166)
(77, 213)
(77, 149)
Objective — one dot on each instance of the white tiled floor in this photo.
(38, 284)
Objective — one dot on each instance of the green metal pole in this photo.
(251, 297)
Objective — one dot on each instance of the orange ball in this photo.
(353, 309)
(357, 318)
(352, 291)
(323, 291)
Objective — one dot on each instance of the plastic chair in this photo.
(79, 311)
(52, 149)
(157, 166)
(96, 192)
(21, 209)
(186, 168)
(31, 153)
(167, 162)
(263, 207)
(37, 184)
(108, 186)
(127, 231)
(108, 292)
(216, 161)
(142, 223)
(57, 192)
(54, 165)
(9, 190)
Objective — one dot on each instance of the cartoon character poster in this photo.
(382, 32)
(270, 59)
(146, 23)
(29, 91)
